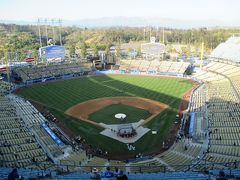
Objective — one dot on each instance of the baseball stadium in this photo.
(149, 118)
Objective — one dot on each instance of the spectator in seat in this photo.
(116, 172)
(94, 174)
(108, 173)
(14, 175)
(122, 176)
(221, 176)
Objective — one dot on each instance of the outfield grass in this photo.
(61, 95)
(107, 114)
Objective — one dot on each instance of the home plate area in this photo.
(125, 133)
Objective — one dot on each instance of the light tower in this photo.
(39, 32)
(144, 34)
(163, 36)
(46, 29)
(202, 51)
(53, 32)
(50, 23)
(60, 34)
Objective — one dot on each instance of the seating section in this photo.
(181, 154)
(236, 83)
(46, 174)
(34, 119)
(223, 114)
(94, 162)
(134, 64)
(197, 106)
(23, 141)
(144, 176)
(174, 175)
(27, 173)
(154, 65)
(223, 110)
(18, 147)
(75, 158)
(229, 70)
(52, 71)
(176, 158)
(208, 76)
(5, 87)
(215, 103)
(120, 164)
(160, 67)
(153, 165)
(144, 65)
(215, 71)
(198, 100)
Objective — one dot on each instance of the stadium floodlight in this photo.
(60, 34)
(53, 32)
(46, 29)
(144, 34)
(150, 33)
(39, 32)
(50, 23)
(163, 36)
(202, 49)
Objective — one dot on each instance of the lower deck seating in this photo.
(18, 147)
(45, 174)
(147, 166)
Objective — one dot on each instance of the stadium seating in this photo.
(5, 87)
(160, 67)
(26, 173)
(34, 119)
(75, 158)
(144, 65)
(153, 165)
(181, 154)
(46, 174)
(215, 143)
(236, 83)
(18, 146)
(43, 73)
(223, 105)
(94, 162)
(226, 69)
(208, 76)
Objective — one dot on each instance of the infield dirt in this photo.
(83, 110)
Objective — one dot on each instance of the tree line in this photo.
(17, 40)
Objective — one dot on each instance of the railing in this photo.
(67, 167)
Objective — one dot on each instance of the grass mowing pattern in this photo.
(59, 96)
(107, 114)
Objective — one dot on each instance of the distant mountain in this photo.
(157, 22)
(19, 22)
(138, 22)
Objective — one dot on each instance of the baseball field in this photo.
(60, 96)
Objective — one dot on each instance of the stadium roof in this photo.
(229, 50)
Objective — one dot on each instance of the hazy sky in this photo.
(80, 9)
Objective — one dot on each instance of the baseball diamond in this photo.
(73, 101)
